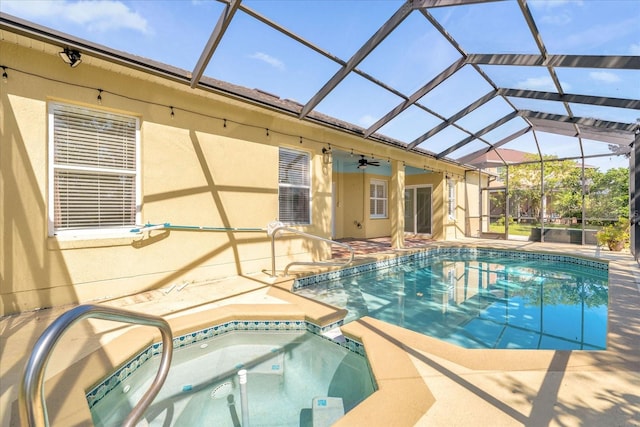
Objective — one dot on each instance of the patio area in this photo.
(467, 387)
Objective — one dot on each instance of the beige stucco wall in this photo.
(195, 171)
(212, 164)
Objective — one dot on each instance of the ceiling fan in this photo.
(363, 162)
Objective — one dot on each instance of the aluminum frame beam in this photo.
(475, 154)
(633, 104)
(448, 72)
(584, 121)
(568, 61)
(214, 40)
(359, 56)
(457, 116)
(422, 4)
(481, 132)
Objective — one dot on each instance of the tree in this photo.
(525, 182)
(609, 195)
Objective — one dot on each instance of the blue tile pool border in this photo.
(98, 392)
(428, 253)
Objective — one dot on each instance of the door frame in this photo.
(414, 214)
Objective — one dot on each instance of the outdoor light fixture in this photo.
(71, 57)
(5, 76)
(326, 155)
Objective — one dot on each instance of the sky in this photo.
(255, 56)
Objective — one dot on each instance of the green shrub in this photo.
(616, 235)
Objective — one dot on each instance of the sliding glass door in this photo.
(417, 209)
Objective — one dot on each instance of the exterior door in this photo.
(417, 210)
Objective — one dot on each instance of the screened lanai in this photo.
(465, 81)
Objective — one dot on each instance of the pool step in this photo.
(325, 411)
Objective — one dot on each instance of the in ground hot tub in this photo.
(295, 377)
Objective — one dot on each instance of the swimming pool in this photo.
(294, 377)
(478, 298)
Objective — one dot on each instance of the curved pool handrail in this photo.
(31, 401)
(274, 228)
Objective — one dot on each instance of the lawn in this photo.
(525, 229)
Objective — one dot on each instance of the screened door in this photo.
(417, 210)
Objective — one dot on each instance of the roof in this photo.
(448, 78)
(499, 157)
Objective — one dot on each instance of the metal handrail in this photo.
(33, 408)
(274, 229)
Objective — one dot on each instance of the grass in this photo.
(525, 229)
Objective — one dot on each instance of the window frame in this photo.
(303, 186)
(373, 199)
(97, 231)
(451, 198)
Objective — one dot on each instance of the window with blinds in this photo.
(294, 187)
(93, 169)
(378, 199)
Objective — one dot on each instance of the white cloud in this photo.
(98, 16)
(559, 19)
(634, 49)
(551, 4)
(552, 15)
(366, 120)
(274, 62)
(604, 76)
(540, 83)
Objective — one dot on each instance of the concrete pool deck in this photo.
(422, 381)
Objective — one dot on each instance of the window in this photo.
(294, 187)
(451, 186)
(378, 199)
(93, 171)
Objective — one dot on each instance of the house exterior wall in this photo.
(195, 171)
(212, 164)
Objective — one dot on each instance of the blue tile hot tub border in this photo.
(429, 253)
(98, 392)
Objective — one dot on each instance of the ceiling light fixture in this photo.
(71, 57)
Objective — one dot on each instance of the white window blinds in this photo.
(294, 186)
(378, 199)
(94, 164)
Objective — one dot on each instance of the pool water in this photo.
(477, 302)
(286, 371)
